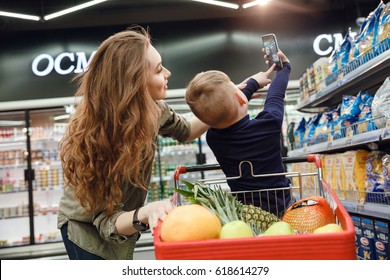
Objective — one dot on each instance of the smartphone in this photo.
(271, 50)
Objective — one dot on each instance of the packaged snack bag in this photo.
(351, 108)
(368, 35)
(335, 124)
(320, 73)
(308, 182)
(375, 182)
(311, 80)
(353, 175)
(332, 62)
(366, 122)
(328, 168)
(344, 49)
(310, 129)
(381, 105)
(336, 172)
(299, 134)
(321, 130)
(386, 172)
(384, 24)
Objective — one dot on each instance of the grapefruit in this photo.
(189, 223)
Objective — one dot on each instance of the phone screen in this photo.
(271, 50)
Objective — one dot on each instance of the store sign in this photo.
(44, 64)
(331, 42)
(77, 62)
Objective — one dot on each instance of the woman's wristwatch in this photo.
(137, 224)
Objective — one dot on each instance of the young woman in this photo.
(109, 146)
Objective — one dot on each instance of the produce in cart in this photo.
(308, 214)
(236, 229)
(189, 223)
(279, 228)
(329, 228)
(226, 206)
(313, 246)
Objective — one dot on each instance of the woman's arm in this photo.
(197, 129)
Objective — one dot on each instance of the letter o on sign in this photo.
(49, 66)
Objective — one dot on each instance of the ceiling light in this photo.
(254, 3)
(219, 3)
(21, 16)
(73, 9)
(62, 117)
(12, 123)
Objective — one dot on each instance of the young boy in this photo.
(234, 137)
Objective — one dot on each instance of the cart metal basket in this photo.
(331, 246)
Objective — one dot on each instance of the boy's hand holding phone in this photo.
(271, 50)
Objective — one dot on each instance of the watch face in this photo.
(140, 226)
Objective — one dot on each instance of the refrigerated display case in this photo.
(30, 175)
(14, 196)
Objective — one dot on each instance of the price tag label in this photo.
(329, 146)
(348, 141)
(388, 124)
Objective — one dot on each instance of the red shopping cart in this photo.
(327, 246)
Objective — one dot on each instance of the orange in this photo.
(189, 223)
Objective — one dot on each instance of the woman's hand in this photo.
(152, 212)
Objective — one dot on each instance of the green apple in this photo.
(279, 228)
(235, 229)
(329, 228)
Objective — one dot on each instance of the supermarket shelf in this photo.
(144, 250)
(355, 141)
(366, 76)
(369, 209)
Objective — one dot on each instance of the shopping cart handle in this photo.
(207, 167)
(179, 170)
(204, 167)
(308, 158)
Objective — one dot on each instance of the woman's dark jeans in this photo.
(74, 251)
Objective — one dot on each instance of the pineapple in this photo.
(257, 217)
(225, 205)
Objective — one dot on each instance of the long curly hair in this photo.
(111, 137)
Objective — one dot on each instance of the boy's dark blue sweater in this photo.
(258, 141)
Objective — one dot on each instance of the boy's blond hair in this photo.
(210, 95)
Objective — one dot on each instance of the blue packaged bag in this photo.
(299, 134)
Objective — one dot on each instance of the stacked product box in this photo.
(368, 238)
(382, 248)
(358, 235)
(372, 238)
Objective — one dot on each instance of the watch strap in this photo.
(137, 224)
